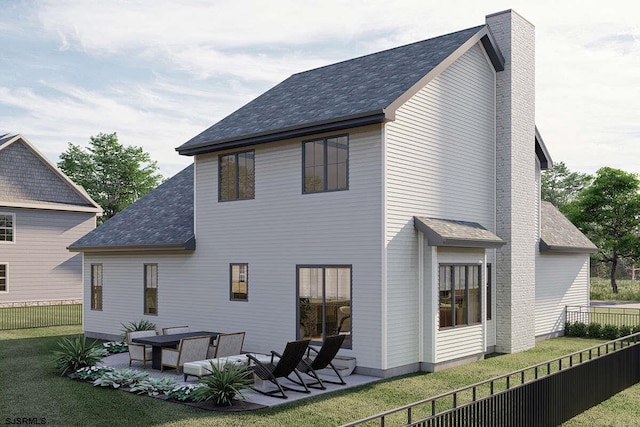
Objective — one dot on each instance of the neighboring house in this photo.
(393, 198)
(41, 212)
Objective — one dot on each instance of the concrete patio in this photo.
(121, 360)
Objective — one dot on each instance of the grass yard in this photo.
(31, 388)
(628, 290)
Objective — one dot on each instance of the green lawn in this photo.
(628, 290)
(29, 387)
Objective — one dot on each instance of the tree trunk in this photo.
(614, 265)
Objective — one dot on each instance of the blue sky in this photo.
(159, 72)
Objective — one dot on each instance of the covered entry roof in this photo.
(463, 234)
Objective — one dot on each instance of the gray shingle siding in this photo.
(163, 217)
(25, 178)
(355, 88)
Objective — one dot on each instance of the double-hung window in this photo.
(3, 277)
(239, 282)
(460, 294)
(324, 302)
(236, 176)
(96, 286)
(151, 289)
(7, 227)
(326, 164)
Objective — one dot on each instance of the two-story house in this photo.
(41, 213)
(393, 198)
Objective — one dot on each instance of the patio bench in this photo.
(201, 368)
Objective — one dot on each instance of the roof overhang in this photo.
(544, 247)
(189, 245)
(49, 206)
(286, 133)
(542, 153)
(460, 234)
(483, 36)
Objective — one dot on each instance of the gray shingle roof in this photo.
(162, 219)
(558, 234)
(445, 232)
(357, 88)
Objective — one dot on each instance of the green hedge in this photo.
(596, 330)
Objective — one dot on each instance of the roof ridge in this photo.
(388, 50)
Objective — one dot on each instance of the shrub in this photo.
(579, 329)
(77, 353)
(568, 329)
(113, 347)
(594, 330)
(224, 383)
(610, 332)
(624, 330)
(92, 372)
(183, 392)
(121, 377)
(140, 325)
(635, 329)
(154, 386)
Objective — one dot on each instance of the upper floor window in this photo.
(96, 286)
(236, 176)
(3, 277)
(239, 282)
(151, 289)
(326, 164)
(460, 297)
(7, 227)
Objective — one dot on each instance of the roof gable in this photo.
(28, 179)
(161, 220)
(356, 92)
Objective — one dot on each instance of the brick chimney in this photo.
(515, 182)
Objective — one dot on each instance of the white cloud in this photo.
(209, 58)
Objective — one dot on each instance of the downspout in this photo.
(420, 297)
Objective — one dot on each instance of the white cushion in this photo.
(200, 368)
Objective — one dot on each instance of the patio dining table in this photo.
(172, 340)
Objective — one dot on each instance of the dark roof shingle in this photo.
(163, 218)
(355, 88)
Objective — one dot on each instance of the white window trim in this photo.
(13, 221)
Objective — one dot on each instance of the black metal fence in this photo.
(603, 315)
(40, 314)
(546, 394)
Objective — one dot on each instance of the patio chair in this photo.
(175, 330)
(227, 345)
(189, 350)
(322, 360)
(283, 368)
(139, 352)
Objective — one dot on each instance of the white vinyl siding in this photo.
(273, 233)
(41, 267)
(561, 280)
(281, 228)
(123, 293)
(440, 163)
